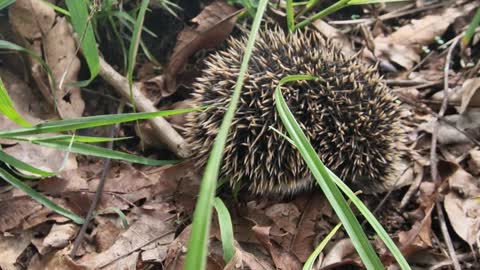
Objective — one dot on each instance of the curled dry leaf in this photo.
(474, 162)
(403, 45)
(470, 96)
(11, 247)
(462, 208)
(340, 251)
(60, 235)
(213, 26)
(283, 259)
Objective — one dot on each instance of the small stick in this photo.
(165, 132)
(434, 158)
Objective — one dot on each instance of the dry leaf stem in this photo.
(164, 131)
(434, 158)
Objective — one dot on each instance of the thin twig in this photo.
(434, 158)
(98, 193)
(164, 131)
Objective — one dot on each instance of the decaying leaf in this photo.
(403, 46)
(11, 246)
(31, 18)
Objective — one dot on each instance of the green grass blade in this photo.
(4, 157)
(120, 214)
(89, 122)
(311, 259)
(92, 150)
(198, 242)
(134, 43)
(368, 215)
(81, 24)
(8, 109)
(7, 45)
(76, 138)
(12, 180)
(290, 16)
(325, 12)
(331, 191)
(467, 37)
(57, 8)
(226, 229)
(6, 3)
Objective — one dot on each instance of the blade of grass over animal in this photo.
(6, 3)
(91, 121)
(290, 16)
(367, 214)
(311, 259)
(81, 24)
(331, 191)
(467, 37)
(134, 43)
(93, 150)
(7, 45)
(325, 12)
(12, 180)
(8, 109)
(4, 157)
(202, 216)
(226, 229)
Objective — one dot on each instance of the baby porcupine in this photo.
(350, 117)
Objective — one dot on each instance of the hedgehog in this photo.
(351, 118)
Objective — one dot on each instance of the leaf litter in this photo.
(156, 204)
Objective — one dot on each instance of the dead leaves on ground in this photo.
(269, 234)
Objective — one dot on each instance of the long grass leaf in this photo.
(311, 259)
(226, 229)
(134, 43)
(89, 122)
(12, 180)
(93, 150)
(331, 191)
(8, 109)
(6, 3)
(81, 24)
(10, 160)
(198, 242)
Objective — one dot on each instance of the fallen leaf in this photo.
(458, 125)
(213, 26)
(283, 259)
(470, 96)
(464, 215)
(141, 233)
(403, 46)
(60, 235)
(14, 212)
(474, 162)
(340, 251)
(11, 247)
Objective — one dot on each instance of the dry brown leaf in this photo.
(458, 126)
(14, 212)
(60, 235)
(470, 96)
(213, 26)
(474, 162)
(335, 35)
(283, 259)
(464, 215)
(60, 54)
(141, 233)
(340, 251)
(55, 261)
(403, 45)
(31, 18)
(11, 247)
